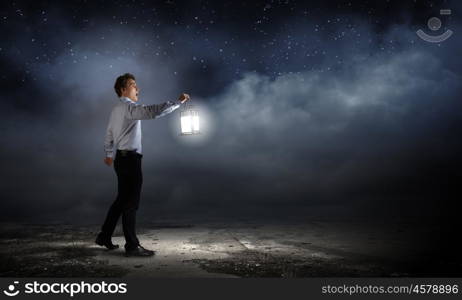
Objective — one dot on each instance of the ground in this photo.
(245, 249)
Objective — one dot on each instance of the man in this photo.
(124, 134)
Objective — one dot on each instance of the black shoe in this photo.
(139, 251)
(105, 243)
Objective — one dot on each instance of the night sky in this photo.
(329, 109)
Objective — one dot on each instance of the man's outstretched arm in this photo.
(143, 112)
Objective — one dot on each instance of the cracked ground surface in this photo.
(246, 249)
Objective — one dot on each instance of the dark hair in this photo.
(121, 82)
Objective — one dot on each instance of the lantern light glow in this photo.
(189, 119)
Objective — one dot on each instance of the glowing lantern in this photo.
(189, 118)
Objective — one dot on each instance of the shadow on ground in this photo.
(29, 250)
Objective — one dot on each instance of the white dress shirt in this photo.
(124, 129)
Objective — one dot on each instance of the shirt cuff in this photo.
(110, 154)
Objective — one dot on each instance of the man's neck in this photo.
(126, 97)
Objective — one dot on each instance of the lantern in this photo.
(189, 119)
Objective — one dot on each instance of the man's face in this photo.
(131, 90)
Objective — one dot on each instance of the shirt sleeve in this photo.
(143, 112)
(109, 140)
(173, 106)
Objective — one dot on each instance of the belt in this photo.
(127, 152)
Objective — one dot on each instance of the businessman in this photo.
(124, 136)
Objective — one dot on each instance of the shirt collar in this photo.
(126, 99)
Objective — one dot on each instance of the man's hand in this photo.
(183, 98)
(108, 161)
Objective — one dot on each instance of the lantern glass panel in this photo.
(186, 124)
(195, 122)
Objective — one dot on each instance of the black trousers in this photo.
(127, 165)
